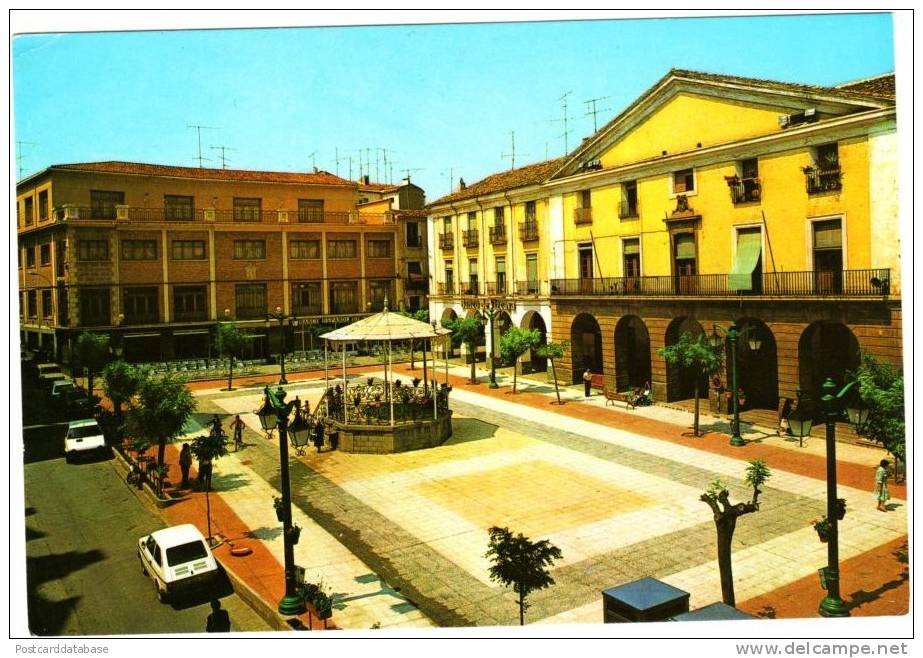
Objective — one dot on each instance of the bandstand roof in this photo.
(385, 326)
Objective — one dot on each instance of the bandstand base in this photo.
(387, 439)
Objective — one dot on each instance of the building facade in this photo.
(716, 200)
(156, 255)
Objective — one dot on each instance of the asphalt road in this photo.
(83, 577)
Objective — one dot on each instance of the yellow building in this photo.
(714, 200)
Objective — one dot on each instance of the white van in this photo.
(177, 559)
(83, 436)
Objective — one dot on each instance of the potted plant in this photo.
(840, 509)
(277, 504)
(416, 381)
(369, 380)
(822, 527)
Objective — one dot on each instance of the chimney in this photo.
(461, 183)
(365, 179)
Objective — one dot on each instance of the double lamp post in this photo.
(733, 335)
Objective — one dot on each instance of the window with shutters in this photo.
(683, 181)
(828, 255)
(631, 257)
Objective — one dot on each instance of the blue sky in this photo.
(436, 96)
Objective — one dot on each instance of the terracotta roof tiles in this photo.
(505, 180)
(246, 175)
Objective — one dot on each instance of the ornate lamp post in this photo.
(733, 334)
(491, 313)
(275, 413)
(281, 317)
(832, 403)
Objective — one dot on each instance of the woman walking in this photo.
(881, 485)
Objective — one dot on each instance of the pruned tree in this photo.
(521, 564)
(695, 355)
(726, 514)
(552, 352)
(164, 406)
(91, 351)
(120, 383)
(210, 448)
(230, 342)
(467, 331)
(881, 387)
(516, 342)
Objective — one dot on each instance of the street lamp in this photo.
(281, 317)
(274, 413)
(832, 403)
(800, 421)
(733, 334)
(491, 313)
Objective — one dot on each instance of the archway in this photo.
(826, 349)
(586, 346)
(448, 315)
(680, 381)
(531, 362)
(632, 353)
(757, 371)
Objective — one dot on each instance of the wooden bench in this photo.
(614, 396)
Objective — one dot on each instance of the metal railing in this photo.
(493, 288)
(472, 288)
(311, 309)
(528, 231)
(470, 238)
(527, 288)
(190, 316)
(628, 209)
(447, 241)
(745, 190)
(70, 212)
(583, 215)
(818, 181)
(445, 288)
(497, 235)
(845, 283)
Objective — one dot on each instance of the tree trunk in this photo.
(554, 375)
(231, 374)
(725, 528)
(473, 349)
(522, 609)
(424, 366)
(161, 450)
(695, 419)
(413, 365)
(514, 374)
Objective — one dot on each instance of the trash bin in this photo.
(647, 599)
(714, 612)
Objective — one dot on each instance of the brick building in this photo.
(156, 255)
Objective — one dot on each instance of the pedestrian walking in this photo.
(205, 473)
(219, 621)
(881, 485)
(587, 382)
(185, 463)
(238, 426)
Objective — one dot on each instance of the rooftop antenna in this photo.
(591, 109)
(384, 159)
(19, 155)
(337, 160)
(407, 173)
(350, 158)
(565, 120)
(451, 172)
(313, 160)
(223, 157)
(512, 154)
(199, 130)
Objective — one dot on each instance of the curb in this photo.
(253, 600)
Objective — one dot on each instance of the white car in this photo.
(83, 437)
(177, 559)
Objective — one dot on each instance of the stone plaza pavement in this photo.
(400, 539)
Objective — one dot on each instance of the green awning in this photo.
(749, 246)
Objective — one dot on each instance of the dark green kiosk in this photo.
(714, 612)
(647, 599)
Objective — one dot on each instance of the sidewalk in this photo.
(875, 580)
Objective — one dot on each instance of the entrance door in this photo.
(585, 268)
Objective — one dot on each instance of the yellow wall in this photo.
(687, 120)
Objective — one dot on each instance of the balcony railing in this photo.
(744, 190)
(628, 208)
(472, 288)
(445, 288)
(845, 283)
(190, 316)
(494, 288)
(583, 215)
(308, 309)
(69, 212)
(527, 288)
(818, 181)
(447, 241)
(497, 235)
(141, 318)
(470, 238)
(416, 282)
(528, 231)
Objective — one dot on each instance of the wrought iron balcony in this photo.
(443, 288)
(818, 181)
(447, 241)
(494, 288)
(470, 238)
(528, 231)
(628, 208)
(528, 288)
(744, 190)
(472, 288)
(196, 315)
(498, 234)
(307, 309)
(583, 215)
(70, 212)
(845, 283)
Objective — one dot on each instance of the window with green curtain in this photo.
(749, 246)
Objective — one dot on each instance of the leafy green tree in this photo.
(552, 352)
(467, 331)
(209, 449)
(521, 564)
(693, 354)
(726, 514)
(516, 342)
(120, 383)
(231, 341)
(91, 351)
(164, 406)
(881, 387)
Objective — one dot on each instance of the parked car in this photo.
(177, 559)
(61, 389)
(83, 437)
